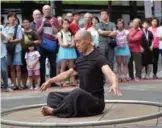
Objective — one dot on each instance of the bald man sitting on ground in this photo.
(88, 99)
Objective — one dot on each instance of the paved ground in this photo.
(145, 90)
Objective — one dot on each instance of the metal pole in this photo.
(52, 4)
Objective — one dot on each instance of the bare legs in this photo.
(15, 71)
(69, 64)
(122, 60)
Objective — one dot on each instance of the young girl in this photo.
(122, 50)
(33, 65)
(67, 53)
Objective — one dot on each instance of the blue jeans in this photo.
(4, 73)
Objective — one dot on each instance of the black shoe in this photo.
(25, 87)
(15, 87)
(20, 87)
(155, 77)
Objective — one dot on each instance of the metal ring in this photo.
(90, 123)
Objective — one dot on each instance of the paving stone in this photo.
(33, 115)
(125, 111)
(78, 119)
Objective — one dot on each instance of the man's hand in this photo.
(44, 20)
(45, 86)
(151, 48)
(115, 89)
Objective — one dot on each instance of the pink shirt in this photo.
(156, 38)
(135, 40)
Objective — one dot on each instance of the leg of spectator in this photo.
(125, 66)
(138, 66)
(13, 74)
(18, 72)
(130, 67)
(52, 59)
(155, 61)
(4, 74)
(118, 58)
(110, 57)
(71, 65)
(42, 66)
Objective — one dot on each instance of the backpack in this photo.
(12, 46)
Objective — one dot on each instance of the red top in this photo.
(88, 26)
(135, 40)
(74, 28)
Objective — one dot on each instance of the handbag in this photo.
(48, 44)
(113, 43)
(12, 46)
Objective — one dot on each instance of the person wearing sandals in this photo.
(122, 52)
(67, 52)
(14, 32)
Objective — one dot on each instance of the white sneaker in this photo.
(31, 88)
(36, 87)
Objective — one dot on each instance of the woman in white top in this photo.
(93, 31)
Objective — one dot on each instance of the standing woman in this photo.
(147, 45)
(134, 40)
(154, 29)
(67, 53)
(14, 33)
(122, 52)
(93, 31)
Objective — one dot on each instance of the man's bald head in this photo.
(87, 18)
(83, 40)
(46, 10)
(84, 34)
(36, 14)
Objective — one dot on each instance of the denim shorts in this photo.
(16, 60)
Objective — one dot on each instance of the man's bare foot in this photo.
(46, 110)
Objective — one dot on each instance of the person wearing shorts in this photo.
(33, 65)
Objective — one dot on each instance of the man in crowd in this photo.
(87, 19)
(74, 26)
(48, 28)
(36, 17)
(107, 31)
(69, 16)
(3, 56)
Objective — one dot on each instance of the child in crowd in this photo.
(122, 51)
(67, 53)
(33, 66)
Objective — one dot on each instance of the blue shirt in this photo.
(10, 32)
(2, 43)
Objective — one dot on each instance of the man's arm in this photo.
(71, 72)
(112, 77)
(40, 26)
